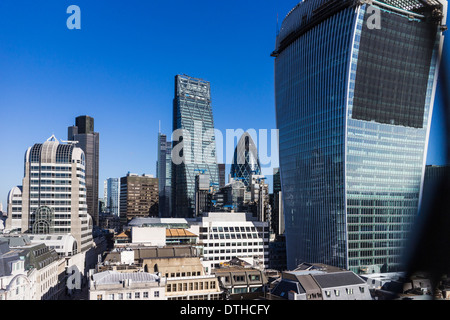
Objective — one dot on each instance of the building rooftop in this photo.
(338, 279)
(114, 277)
(179, 233)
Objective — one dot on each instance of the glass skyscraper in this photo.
(355, 86)
(193, 126)
(113, 196)
(245, 160)
(164, 175)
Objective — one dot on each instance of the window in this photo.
(129, 296)
(336, 292)
(146, 294)
(99, 297)
(156, 294)
(137, 295)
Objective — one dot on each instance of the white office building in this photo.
(52, 198)
(222, 236)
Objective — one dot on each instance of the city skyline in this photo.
(289, 150)
(121, 81)
(142, 126)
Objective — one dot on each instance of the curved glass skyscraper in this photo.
(245, 160)
(354, 91)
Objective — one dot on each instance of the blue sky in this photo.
(120, 67)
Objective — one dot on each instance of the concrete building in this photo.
(320, 282)
(40, 269)
(14, 281)
(222, 236)
(139, 197)
(179, 266)
(52, 198)
(114, 285)
(241, 281)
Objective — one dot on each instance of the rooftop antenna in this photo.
(52, 138)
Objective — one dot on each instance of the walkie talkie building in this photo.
(354, 90)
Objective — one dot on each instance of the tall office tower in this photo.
(245, 160)
(194, 146)
(221, 168)
(112, 196)
(277, 221)
(139, 197)
(164, 175)
(52, 198)
(88, 140)
(354, 93)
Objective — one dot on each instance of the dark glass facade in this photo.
(352, 140)
(89, 142)
(396, 58)
(164, 175)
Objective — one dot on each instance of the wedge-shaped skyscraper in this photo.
(355, 84)
(194, 145)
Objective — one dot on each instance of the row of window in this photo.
(191, 286)
(51, 168)
(216, 236)
(233, 251)
(232, 244)
(51, 175)
(228, 258)
(129, 295)
(337, 292)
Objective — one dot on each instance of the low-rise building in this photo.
(41, 269)
(222, 236)
(115, 285)
(320, 282)
(15, 282)
(241, 281)
(179, 266)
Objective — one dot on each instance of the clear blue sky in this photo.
(120, 67)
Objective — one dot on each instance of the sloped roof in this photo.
(284, 286)
(179, 233)
(122, 235)
(337, 279)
